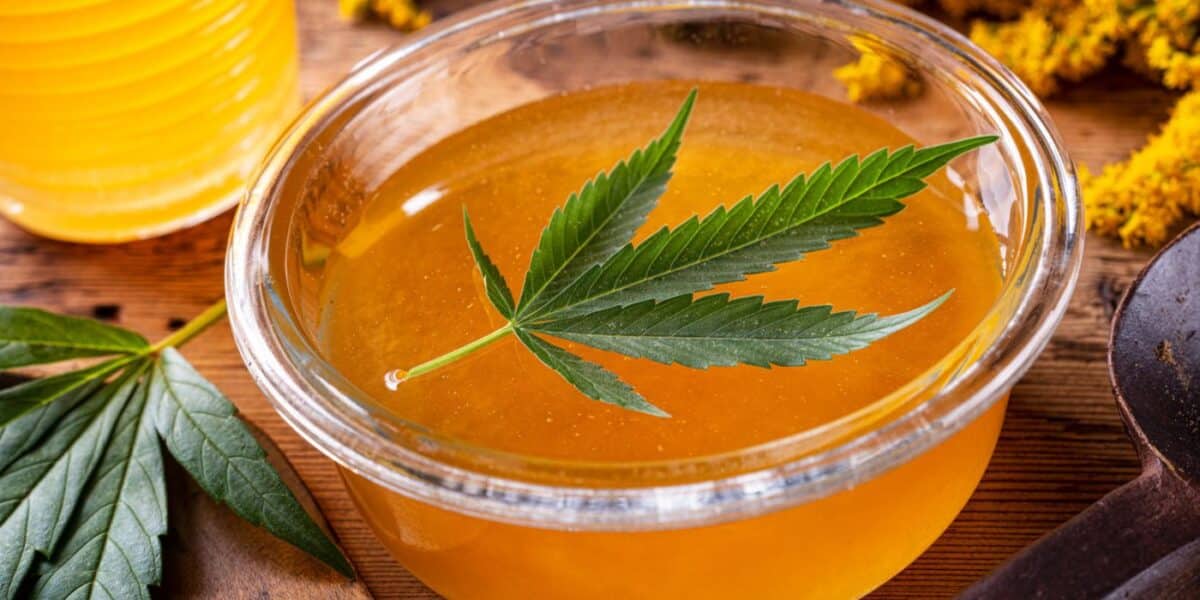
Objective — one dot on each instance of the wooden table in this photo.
(1062, 447)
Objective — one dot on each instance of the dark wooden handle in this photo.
(1103, 547)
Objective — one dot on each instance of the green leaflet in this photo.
(112, 549)
(20, 434)
(602, 217)
(29, 336)
(493, 282)
(591, 379)
(756, 233)
(20, 399)
(38, 492)
(717, 331)
(201, 430)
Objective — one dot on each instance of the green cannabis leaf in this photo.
(594, 381)
(588, 284)
(82, 489)
(493, 281)
(19, 399)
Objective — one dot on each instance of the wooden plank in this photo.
(1062, 446)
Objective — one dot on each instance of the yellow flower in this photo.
(1167, 33)
(401, 14)
(1143, 199)
(876, 76)
(354, 10)
(1054, 41)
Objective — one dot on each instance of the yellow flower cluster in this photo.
(404, 15)
(1167, 30)
(876, 76)
(1143, 199)
(1053, 41)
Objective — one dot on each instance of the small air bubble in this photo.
(394, 378)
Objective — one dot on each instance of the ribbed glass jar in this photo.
(123, 119)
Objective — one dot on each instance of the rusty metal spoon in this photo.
(1133, 538)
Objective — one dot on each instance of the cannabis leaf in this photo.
(589, 285)
(493, 281)
(81, 477)
(39, 491)
(23, 432)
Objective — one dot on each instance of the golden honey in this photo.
(401, 288)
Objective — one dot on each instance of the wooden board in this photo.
(1062, 446)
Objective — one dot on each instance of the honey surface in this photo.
(401, 288)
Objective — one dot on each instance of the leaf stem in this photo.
(192, 328)
(399, 375)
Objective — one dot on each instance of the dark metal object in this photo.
(1176, 577)
(1141, 540)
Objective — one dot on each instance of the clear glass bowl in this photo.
(829, 512)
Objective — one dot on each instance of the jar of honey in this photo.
(124, 119)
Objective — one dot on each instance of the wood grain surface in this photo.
(1062, 446)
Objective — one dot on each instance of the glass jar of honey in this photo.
(124, 119)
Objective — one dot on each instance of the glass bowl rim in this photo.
(345, 428)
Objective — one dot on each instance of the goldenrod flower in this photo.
(1143, 199)
(1167, 31)
(401, 14)
(876, 76)
(1050, 44)
(354, 10)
